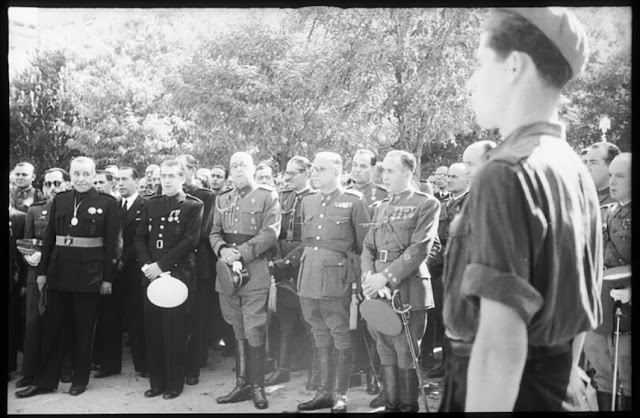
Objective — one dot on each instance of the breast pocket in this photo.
(340, 224)
(252, 218)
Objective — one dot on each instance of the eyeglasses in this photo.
(318, 169)
(55, 183)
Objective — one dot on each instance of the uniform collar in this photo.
(603, 195)
(24, 189)
(624, 210)
(403, 193)
(306, 189)
(246, 190)
(178, 197)
(455, 199)
(336, 192)
(363, 187)
(534, 129)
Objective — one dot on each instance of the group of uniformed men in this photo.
(507, 249)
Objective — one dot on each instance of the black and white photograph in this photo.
(318, 209)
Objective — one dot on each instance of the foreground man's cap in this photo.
(563, 28)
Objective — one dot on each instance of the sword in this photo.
(403, 310)
(618, 306)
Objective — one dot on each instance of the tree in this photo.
(38, 108)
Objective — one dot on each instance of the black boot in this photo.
(324, 396)
(281, 375)
(373, 388)
(242, 391)
(626, 403)
(257, 357)
(390, 388)
(378, 401)
(604, 401)
(312, 380)
(342, 369)
(408, 389)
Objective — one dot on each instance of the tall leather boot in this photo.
(378, 401)
(408, 390)
(242, 391)
(604, 401)
(282, 373)
(438, 370)
(390, 388)
(626, 403)
(324, 396)
(257, 364)
(312, 380)
(373, 387)
(342, 369)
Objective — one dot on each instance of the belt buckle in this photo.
(159, 244)
(383, 255)
(68, 241)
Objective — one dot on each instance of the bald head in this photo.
(476, 155)
(457, 180)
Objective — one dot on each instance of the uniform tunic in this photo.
(35, 228)
(17, 270)
(402, 233)
(250, 215)
(168, 234)
(333, 231)
(599, 344)
(530, 238)
(74, 278)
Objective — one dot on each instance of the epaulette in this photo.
(188, 196)
(354, 192)
(39, 203)
(269, 188)
(226, 191)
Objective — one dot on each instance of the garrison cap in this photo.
(563, 28)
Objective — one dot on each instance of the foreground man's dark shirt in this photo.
(529, 237)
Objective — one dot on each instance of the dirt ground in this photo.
(123, 394)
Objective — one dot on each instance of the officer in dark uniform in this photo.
(168, 233)
(56, 180)
(25, 194)
(598, 159)
(79, 261)
(289, 246)
(127, 300)
(404, 228)
(246, 224)
(441, 192)
(335, 223)
(599, 344)
(523, 263)
(17, 275)
(201, 298)
(458, 189)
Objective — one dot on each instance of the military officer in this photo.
(246, 224)
(362, 168)
(599, 344)
(523, 260)
(17, 274)
(56, 180)
(125, 306)
(79, 259)
(25, 194)
(148, 175)
(287, 265)
(167, 235)
(440, 175)
(335, 223)
(201, 298)
(404, 228)
(598, 159)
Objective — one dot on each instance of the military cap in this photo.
(563, 29)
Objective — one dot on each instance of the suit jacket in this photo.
(17, 268)
(205, 258)
(78, 269)
(168, 234)
(130, 271)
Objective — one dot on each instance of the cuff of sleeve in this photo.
(509, 289)
(246, 252)
(162, 265)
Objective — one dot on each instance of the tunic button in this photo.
(319, 226)
(237, 207)
(162, 219)
(614, 230)
(315, 248)
(161, 226)
(235, 220)
(322, 215)
(318, 238)
(324, 204)
(235, 232)
(159, 235)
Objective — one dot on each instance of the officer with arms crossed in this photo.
(404, 228)
(82, 246)
(246, 223)
(335, 223)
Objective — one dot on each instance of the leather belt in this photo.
(388, 256)
(82, 242)
(460, 348)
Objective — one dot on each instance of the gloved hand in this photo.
(33, 259)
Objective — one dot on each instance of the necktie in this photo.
(124, 206)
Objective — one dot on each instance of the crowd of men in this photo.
(498, 259)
